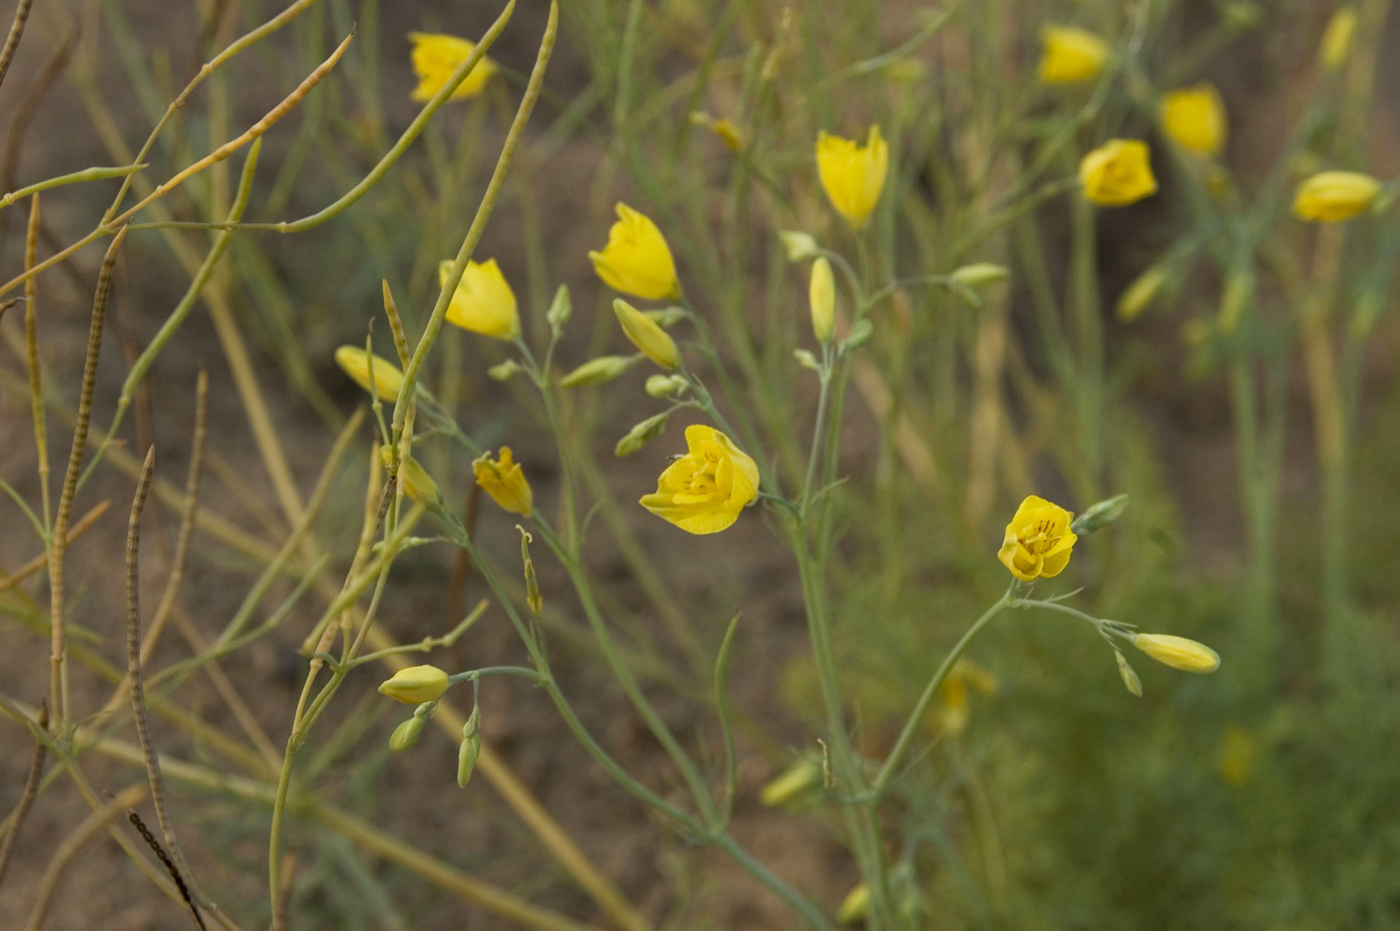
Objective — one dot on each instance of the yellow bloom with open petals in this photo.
(1194, 118)
(504, 481)
(1333, 196)
(853, 176)
(1117, 173)
(1178, 652)
(435, 57)
(388, 380)
(1070, 56)
(646, 334)
(704, 490)
(483, 301)
(1038, 540)
(636, 259)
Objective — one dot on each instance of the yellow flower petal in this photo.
(1117, 173)
(388, 380)
(435, 57)
(637, 260)
(483, 301)
(853, 176)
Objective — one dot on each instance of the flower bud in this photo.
(414, 685)
(1131, 682)
(1142, 292)
(1178, 652)
(792, 783)
(647, 335)
(470, 749)
(598, 371)
(663, 386)
(806, 360)
(416, 482)
(560, 309)
(855, 906)
(642, 434)
(1100, 515)
(666, 317)
(822, 296)
(1336, 40)
(860, 333)
(355, 362)
(504, 371)
(797, 245)
(1334, 196)
(406, 734)
(980, 274)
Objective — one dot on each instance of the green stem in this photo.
(916, 717)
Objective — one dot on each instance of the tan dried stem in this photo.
(16, 31)
(31, 357)
(26, 799)
(38, 562)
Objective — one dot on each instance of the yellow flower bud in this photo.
(355, 362)
(504, 481)
(822, 295)
(979, 274)
(797, 245)
(704, 490)
(483, 301)
(636, 259)
(1178, 652)
(855, 906)
(663, 386)
(1038, 540)
(792, 783)
(646, 334)
(1117, 173)
(1333, 196)
(1142, 292)
(406, 734)
(1131, 682)
(470, 749)
(414, 685)
(434, 59)
(1070, 56)
(853, 176)
(416, 482)
(1194, 118)
(1336, 41)
(597, 371)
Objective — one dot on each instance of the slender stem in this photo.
(760, 872)
(916, 717)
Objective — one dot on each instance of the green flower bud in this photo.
(1100, 515)
(504, 371)
(663, 386)
(798, 245)
(642, 434)
(598, 371)
(560, 309)
(406, 734)
(470, 749)
(860, 333)
(980, 274)
(1129, 676)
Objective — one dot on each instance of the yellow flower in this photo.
(1336, 41)
(853, 175)
(354, 361)
(483, 301)
(504, 481)
(636, 259)
(1070, 56)
(1178, 652)
(435, 57)
(704, 490)
(414, 685)
(1333, 196)
(1117, 173)
(822, 296)
(952, 717)
(1194, 118)
(1038, 540)
(646, 334)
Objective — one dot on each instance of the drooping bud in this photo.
(642, 434)
(646, 334)
(416, 482)
(598, 371)
(1178, 652)
(406, 734)
(1131, 682)
(470, 749)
